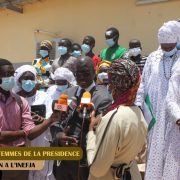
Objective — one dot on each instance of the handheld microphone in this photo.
(62, 103)
(72, 103)
(86, 104)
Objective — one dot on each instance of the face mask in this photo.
(134, 52)
(85, 48)
(28, 85)
(178, 46)
(170, 53)
(102, 76)
(62, 87)
(110, 42)
(62, 50)
(7, 83)
(76, 54)
(43, 53)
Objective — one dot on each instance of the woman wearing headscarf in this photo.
(101, 73)
(159, 67)
(25, 78)
(120, 134)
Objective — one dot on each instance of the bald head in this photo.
(84, 71)
(112, 32)
(89, 40)
(85, 61)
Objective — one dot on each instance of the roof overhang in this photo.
(15, 5)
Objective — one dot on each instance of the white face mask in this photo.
(134, 52)
(102, 76)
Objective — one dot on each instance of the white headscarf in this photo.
(62, 73)
(166, 35)
(175, 27)
(19, 72)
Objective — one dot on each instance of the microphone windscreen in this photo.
(62, 104)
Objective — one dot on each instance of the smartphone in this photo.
(39, 109)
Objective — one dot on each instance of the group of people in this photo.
(69, 52)
(135, 108)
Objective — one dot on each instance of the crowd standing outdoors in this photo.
(134, 116)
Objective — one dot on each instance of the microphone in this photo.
(72, 103)
(86, 104)
(62, 103)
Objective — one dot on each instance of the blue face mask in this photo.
(43, 53)
(62, 50)
(7, 83)
(62, 88)
(170, 53)
(28, 85)
(178, 46)
(76, 54)
(110, 42)
(85, 48)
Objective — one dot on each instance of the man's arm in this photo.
(39, 129)
(31, 131)
(9, 136)
(143, 87)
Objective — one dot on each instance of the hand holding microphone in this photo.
(61, 105)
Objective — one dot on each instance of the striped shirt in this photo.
(11, 118)
(141, 63)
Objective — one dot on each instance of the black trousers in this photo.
(70, 170)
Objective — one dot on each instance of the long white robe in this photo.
(155, 84)
(41, 141)
(172, 146)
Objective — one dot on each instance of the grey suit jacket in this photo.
(100, 97)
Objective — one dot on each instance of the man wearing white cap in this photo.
(175, 27)
(152, 92)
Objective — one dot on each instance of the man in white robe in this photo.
(158, 69)
(172, 146)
